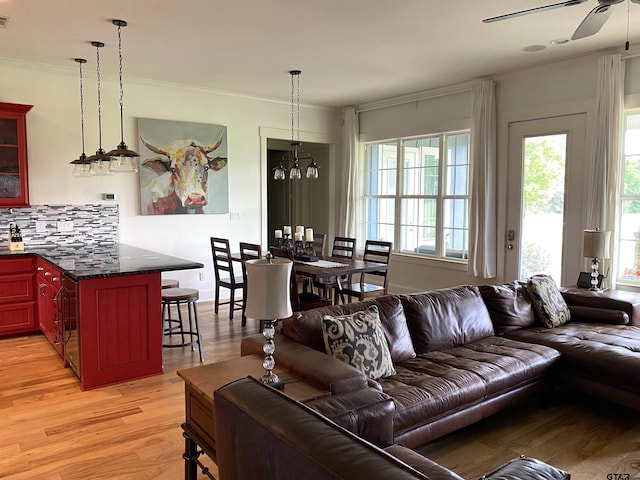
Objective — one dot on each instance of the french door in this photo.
(545, 198)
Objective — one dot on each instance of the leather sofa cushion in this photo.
(609, 354)
(435, 384)
(306, 327)
(509, 306)
(446, 318)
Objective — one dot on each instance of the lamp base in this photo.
(272, 380)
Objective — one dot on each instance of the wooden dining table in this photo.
(328, 267)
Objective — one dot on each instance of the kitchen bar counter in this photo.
(105, 312)
(86, 262)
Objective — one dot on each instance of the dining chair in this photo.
(343, 247)
(299, 300)
(248, 251)
(225, 275)
(320, 244)
(374, 251)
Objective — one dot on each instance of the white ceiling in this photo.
(350, 51)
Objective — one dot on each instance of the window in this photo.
(422, 202)
(629, 204)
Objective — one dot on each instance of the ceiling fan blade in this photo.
(593, 22)
(568, 3)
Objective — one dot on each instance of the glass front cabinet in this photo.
(14, 177)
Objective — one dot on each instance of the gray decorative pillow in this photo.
(547, 301)
(358, 339)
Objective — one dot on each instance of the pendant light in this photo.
(123, 159)
(100, 161)
(295, 172)
(81, 165)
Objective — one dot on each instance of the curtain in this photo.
(348, 204)
(605, 148)
(482, 195)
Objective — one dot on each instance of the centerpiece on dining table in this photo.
(301, 244)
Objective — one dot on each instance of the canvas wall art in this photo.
(183, 167)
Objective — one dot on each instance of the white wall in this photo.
(53, 130)
(557, 89)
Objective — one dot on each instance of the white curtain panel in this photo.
(482, 195)
(605, 148)
(350, 194)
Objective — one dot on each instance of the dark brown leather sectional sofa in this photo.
(460, 355)
(265, 435)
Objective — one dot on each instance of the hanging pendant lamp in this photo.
(295, 172)
(123, 159)
(81, 165)
(100, 161)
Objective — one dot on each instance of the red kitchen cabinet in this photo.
(48, 279)
(17, 298)
(120, 329)
(14, 176)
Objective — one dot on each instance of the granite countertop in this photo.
(85, 262)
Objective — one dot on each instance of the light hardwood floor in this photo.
(50, 430)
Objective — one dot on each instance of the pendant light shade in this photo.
(100, 161)
(81, 165)
(123, 159)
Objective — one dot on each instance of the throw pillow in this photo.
(358, 340)
(547, 301)
(509, 306)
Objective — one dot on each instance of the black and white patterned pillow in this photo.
(358, 339)
(547, 301)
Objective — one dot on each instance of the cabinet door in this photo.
(15, 318)
(14, 185)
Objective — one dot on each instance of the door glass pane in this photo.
(543, 206)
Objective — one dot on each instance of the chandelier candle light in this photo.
(295, 172)
(268, 298)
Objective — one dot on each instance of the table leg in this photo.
(190, 458)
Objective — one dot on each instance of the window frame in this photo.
(621, 197)
(441, 197)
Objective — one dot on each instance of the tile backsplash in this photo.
(93, 225)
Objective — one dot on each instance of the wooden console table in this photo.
(200, 383)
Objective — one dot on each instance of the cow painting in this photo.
(177, 180)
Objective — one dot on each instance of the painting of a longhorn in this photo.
(182, 167)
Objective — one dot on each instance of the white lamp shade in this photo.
(268, 288)
(596, 243)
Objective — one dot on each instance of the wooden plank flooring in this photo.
(51, 430)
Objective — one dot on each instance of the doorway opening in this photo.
(298, 202)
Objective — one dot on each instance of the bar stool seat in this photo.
(170, 283)
(178, 297)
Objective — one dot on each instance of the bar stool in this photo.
(178, 297)
(170, 283)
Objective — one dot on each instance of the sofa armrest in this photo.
(427, 467)
(368, 413)
(317, 367)
(598, 315)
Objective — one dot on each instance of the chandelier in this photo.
(295, 172)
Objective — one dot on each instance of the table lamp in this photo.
(269, 299)
(596, 247)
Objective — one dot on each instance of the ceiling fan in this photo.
(591, 24)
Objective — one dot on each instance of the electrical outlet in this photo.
(202, 276)
(65, 226)
(41, 226)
